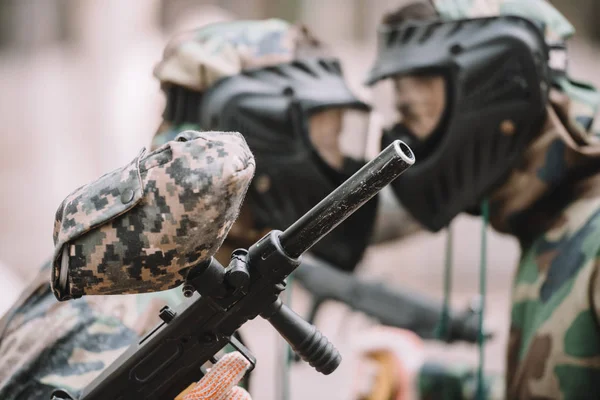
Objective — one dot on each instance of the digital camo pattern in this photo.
(140, 229)
(50, 345)
(198, 58)
(82, 337)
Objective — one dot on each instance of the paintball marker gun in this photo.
(220, 300)
(391, 306)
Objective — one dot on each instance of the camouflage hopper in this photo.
(140, 228)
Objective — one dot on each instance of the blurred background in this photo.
(77, 98)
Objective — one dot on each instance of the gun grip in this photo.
(304, 338)
(312, 315)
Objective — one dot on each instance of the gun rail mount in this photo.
(171, 356)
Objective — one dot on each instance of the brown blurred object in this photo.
(78, 99)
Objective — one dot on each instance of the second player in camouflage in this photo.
(549, 200)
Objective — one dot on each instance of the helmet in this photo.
(273, 107)
(497, 81)
(276, 84)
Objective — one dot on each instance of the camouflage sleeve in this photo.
(77, 343)
(455, 382)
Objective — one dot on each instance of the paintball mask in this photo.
(495, 79)
(307, 131)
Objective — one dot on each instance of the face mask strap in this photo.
(442, 331)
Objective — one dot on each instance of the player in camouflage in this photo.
(547, 194)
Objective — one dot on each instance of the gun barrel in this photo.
(347, 198)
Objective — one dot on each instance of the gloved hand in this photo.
(220, 382)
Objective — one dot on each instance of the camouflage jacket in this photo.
(554, 344)
(551, 203)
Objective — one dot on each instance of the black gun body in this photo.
(173, 352)
(167, 355)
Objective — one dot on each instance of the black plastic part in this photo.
(466, 325)
(166, 314)
(239, 346)
(312, 315)
(237, 274)
(208, 279)
(182, 105)
(170, 356)
(304, 338)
